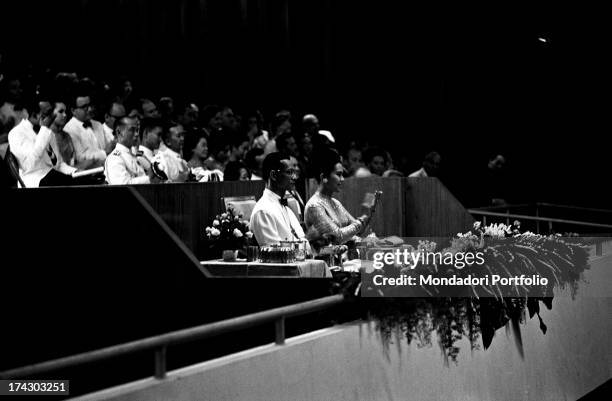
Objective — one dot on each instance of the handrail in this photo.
(508, 206)
(161, 342)
(534, 218)
(586, 209)
(543, 204)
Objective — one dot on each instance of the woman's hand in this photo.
(364, 220)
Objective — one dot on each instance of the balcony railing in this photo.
(503, 211)
(160, 343)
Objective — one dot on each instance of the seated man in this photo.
(121, 166)
(169, 158)
(114, 112)
(272, 220)
(33, 143)
(88, 152)
(149, 144)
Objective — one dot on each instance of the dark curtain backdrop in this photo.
(466, 78)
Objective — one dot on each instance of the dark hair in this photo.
(164, 105)
(429, 157)
(272, 162)
(371, 153)
(29, 104)
(232, 171)
(166, 129)
(251, 158)
(191, 141)
(149, 124)
(77, 95)
(235, 140)
(324, 162)
(279, 119)
(208, 112)
(281, 141)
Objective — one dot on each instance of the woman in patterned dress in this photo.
(327, 221)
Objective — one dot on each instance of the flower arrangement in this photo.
(229, 226)
(505, 252)
(479, 310)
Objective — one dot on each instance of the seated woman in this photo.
(196, 153)
(327, 221)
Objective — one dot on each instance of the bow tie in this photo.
(87, 124)
(283, 202)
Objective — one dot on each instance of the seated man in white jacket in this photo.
(272, 221)
(32, 141)
(121, 166)
(169, 158)
(88, 152)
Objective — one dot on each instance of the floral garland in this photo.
(507, 253)
(426, 319)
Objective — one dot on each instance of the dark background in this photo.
(465, 79)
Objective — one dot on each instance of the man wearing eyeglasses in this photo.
(87, 149)
(272, 221)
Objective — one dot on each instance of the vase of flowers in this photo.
(228, 231)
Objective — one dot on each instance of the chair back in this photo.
(13, 165)
(241, 204)
(294, 205)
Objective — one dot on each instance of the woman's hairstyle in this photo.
(232, 171)
(191, 141)
(324, 162)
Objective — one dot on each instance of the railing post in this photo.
(484, 221)
(537, 213)
(280, 330)
(598, 249)
(507, 218)
(160, 362)
(550, 230)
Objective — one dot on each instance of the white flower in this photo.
(224, 215)
(215, 223)
(215, 233)
(237, 233)
(249, 234)
(476, 225)
(236, 218)
(208, 229)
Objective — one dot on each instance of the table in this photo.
(242, 268)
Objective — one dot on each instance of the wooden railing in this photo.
(160, 343)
